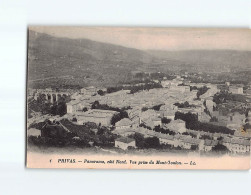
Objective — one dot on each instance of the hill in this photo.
(63, 62)
(208, 60)
(80, 61)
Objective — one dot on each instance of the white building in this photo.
(177, 125)
(236, 90)
(97, 116)
(33, 132)
(124, 143)
(88, 90)
(123, 123)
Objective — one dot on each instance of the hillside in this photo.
(80, 61)
(208, 60)
(63, 62)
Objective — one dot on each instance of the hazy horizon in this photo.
(163, 39)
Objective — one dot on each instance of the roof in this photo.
(97, 113)
(125, 139)
(241, 142)
(178, 121)
(74, 102)
(124, 122)
(210, 142)
(190, 140)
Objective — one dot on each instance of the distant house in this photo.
(72, 106)
(209, 144)
(123, 124)
(169, 114)
(88, 90)
(34, 132)
(177, 125)
(181, 89)
(156, 121)
(97, 116)
(166, 83)
(236, 89)
(124, 143)
(236, 145)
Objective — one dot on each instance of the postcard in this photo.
(138, 98)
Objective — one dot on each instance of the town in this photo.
(167, 113)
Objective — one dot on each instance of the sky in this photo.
(157, 38)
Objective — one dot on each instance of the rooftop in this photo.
(124, 122)
(125, 139)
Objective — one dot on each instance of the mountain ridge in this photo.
(57, 60)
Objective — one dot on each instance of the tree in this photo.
(201, 91)
(139, 139)
(95, 105)
(157, 107)
(165, 120)
(194, 147)
(220, 148)
(118, 117)
(101, 92)
(144, 109)
(85, 109)
(152, 142)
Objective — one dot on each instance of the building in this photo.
(124, 143)
(166, 83)
(209, 144)
(236, 90)
(73, 106)
(102, 117)
(88, 90)
(123, 124)
(34, 132)
(237, 145)
(210, 104)
(181, 89)
(188, 142)
(157, 121)
(169, 114)
(177, 126)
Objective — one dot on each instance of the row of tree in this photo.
(193, 123)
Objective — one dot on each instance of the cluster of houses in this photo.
(234, 144)
(141, 111)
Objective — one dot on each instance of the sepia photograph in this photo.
(138, 98)
(125, 97)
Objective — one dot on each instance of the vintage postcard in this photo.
(138, 98)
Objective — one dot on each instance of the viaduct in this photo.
(50, 96)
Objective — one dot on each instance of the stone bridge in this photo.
(50, 96)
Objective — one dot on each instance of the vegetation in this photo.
(165, 120)
(144, 109)
(149, 142)
(193, 123)
(206, 137)
(157, 107)
(135, 88)
(41, 105)
(184, 105)
(201, 91)
(55, 134)
(190, 134)
(100, 92)
(143, 125)
(220, 148)
(224, 96)
(164, 131)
